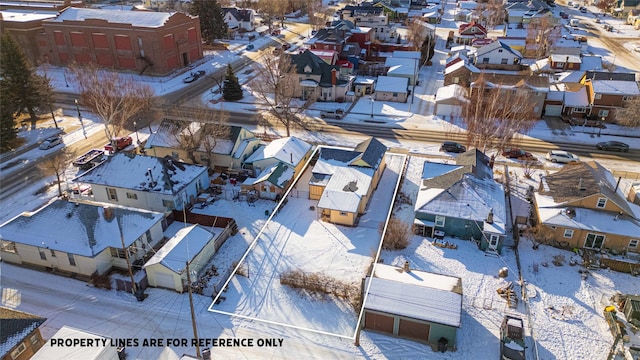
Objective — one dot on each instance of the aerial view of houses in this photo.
(379, 179)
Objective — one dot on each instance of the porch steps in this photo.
(492, 253)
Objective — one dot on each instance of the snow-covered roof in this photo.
(469, 198)
(566, 58)
(453, 91)
(97, 351)
(576, 98)
(416, 294)
(591, 62)
(289, 150)
(556, 92)
(167, 137)
(149, 19)
(495, 46)
(587, 219)
(392, 84)
(182, 247)
(142, 173)
(406, 54)
(460, 64)
(345, 189)
(615, 87)
(432, 170)
(278, 174)
(14, 15)
(79, 228)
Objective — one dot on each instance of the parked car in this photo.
(597, 20)
(191, 78)
(336, 114)
(560, 156)
(454, 147)
(515, 153)
(583, 9)
(121, 143)
(613, 146)
(512, 345)
(50, 142)
(563, 15)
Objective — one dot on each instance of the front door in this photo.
(493, 242)
(594, 241)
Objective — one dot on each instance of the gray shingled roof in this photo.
(372, 151)
(16, 326)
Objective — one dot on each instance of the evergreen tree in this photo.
(231, 91)
(25, 89)
(427, 50)
(212, 24)
(8, 131)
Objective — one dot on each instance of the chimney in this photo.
(617, 184)
(333, 77)
(580, 186)
(490, 216)
(107, 212)
(566, 63)
(406, 267)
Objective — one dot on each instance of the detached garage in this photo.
(196, 244)
(412, 304)
(450, 101)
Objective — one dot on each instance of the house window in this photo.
(603, 113)
(174, 154)
(118, 253)
(204, 158)
(8, 246)
(456, 80)
(395, 94)
(633, 243)
(72, 259)
(568, 233)
(343, 213)
(602, 202)
(597, 96)
(485, 60)
(578, 110)
(627, 98)
(439, 221)
(19, 350)
(168, 204)
(43, 256)
(53, 253)
(504, 61)
(132, 196)
(112, 194)
(34, 339)
(594, 241)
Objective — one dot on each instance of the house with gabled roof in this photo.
(20, 337)
(403, 67)
(608, 92)
(239, 19)
(343, 180)
(103, 348)
(469, 32)
(145, 182)
(194, 244)
(450, 101)
(272, 182)
(144, 42)
(460, 73)
(402, 302)
(582, 206)
(319, 80)
(226, 148)
(290, 151)
(80, 239)
(462, 200)
(496, 55)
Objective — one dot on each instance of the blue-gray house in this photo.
(462, 200)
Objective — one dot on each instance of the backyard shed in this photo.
(631, 308)
(414, 304)
(194, 243)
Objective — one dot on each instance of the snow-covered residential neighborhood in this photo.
(376, 180)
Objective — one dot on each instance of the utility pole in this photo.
(193, 314)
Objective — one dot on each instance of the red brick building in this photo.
(153, 43)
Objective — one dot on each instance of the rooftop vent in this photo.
(351, 186)
(571, 213)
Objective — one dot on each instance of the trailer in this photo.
(89, 159)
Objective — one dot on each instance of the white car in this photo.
(560, 156)
(50, 142)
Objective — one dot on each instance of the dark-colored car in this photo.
(515, 153)
(613, 146)
(454, 147)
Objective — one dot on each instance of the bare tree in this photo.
(490, 13)
(494, 114)
(541, 35)
(56, 165)
(317, 18)
(606, 5)
(629, 115)
(272, 9)
(113, 98)
(201, 134)
(277, 87)
(416, 33)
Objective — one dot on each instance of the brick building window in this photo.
(100, 41)
(58, 37)
(123, 42)
(78, 39)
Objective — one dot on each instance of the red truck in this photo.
(121, 143)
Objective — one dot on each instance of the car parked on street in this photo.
(335, 114)
(50, 142)
(561, 156)
(454, 147)
(613, 146)
(515, 153)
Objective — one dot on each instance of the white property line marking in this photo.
(384, 230)
(275, 211)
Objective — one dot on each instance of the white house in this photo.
(496, 53)
(290, 150)
(145, 182)
(80, 238)
(102, 349)
(195, 244)
(239, 19)
(450, 100)
(390, 88)
(403, 67)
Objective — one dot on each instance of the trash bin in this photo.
(206, 354)
(442, 344)
(140, 295)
